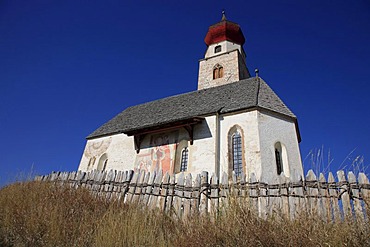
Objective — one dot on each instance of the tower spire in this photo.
(223, 15)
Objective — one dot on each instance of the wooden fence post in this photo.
(139, 186)
(284, 195)
(214, 195)
(262, 200)
(164, 192)
(365, 193)
(224, 193)
(196, 195)
(204, 192)
(179, 192)
(334, 200)
(187, 196)
(344, 195)
(132, 186)
(148, 186)
(129, 177)
(253, 193)
(156, 189)
(355, 192)
(170, 194)
(312, 192)
(323, 200)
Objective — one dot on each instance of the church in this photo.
(232, 123)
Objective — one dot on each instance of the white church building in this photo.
(232, 123)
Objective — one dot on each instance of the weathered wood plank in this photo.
(365, 193)
(204, 192)
(355, 192)
(156, 189)
(324, 201)
(164, 192)
(196, 196)
(334, 202)
(263, 200)
(253, 192)
(214, 195)
(132, 186)
(170, 195)
(179, 193)
(187, 196)
(344, 195)
(284, 195)
(148, 186)
(224, 190)
(312, 193)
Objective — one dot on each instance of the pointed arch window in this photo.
(184, 159)
(218, 71)
(237, 153)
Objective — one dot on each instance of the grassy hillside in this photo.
(41, 214)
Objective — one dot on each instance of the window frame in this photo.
(184, 159)
(236, 129)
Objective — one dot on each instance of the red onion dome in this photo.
(224, 30)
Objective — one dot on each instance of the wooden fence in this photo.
(183, 195)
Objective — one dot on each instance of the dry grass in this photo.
(41, 214)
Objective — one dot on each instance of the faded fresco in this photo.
(97, 147)
(160, 155)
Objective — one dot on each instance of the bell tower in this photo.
(225, 60)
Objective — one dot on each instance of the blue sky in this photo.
(67, 67)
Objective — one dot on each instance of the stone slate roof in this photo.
(249, 93)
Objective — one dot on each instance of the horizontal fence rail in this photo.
(185, 195)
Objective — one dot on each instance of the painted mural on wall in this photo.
(160, 155)
(97, 148)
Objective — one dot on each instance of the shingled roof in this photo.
(240, 95)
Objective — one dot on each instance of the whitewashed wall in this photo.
(260, 133)
(226, 46)
(121, 154)
(273, 129)
(119, 149)
(248, 123)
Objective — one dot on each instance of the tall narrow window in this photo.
(237, 154)
(218, 71)
(184, 159)
(279, 165)
(281, 158)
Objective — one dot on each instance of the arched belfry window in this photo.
(236, 151)
(281, 159)
(184, 159)
(218, 71)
